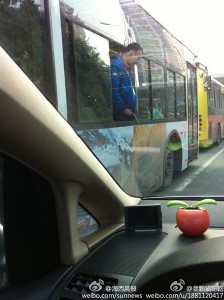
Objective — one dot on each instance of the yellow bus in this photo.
(211, 108)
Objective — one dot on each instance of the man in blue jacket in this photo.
(123, 94)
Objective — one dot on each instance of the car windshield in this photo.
(143, 88)
(111, 144)
(154, 120)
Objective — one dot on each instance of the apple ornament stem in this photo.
(192, 220)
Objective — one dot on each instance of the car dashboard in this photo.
(146, 262)
(137, 263)
(143, 262)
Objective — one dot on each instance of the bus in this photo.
(211, 108)
(65, 49)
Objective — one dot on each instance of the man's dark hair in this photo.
(133, 46)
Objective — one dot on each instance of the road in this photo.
(204, 176)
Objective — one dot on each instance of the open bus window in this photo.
(89, 76)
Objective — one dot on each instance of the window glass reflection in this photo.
(142, 91)
(26, 37)
(86, 223)
(180, 98)
(158, 91)
(170, 95)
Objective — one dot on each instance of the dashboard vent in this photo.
(86, 284)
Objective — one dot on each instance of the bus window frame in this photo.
(75, 122)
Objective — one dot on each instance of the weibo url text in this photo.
(203, 295)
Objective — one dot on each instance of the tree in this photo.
(24, 34)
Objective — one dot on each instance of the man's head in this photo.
(132, 53)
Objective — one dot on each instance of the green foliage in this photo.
(205, 201)
(24, 34)
(93, 80)
(176, 202)
(21, 33)
(184, 204)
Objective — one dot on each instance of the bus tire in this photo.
(218, 135)
(168, 168)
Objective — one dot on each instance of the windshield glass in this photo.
(141, 97)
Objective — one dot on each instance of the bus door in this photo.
(192, 113)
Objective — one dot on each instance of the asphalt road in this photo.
(204, 176)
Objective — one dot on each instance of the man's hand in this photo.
(127, 112)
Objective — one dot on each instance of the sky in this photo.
(199, 24)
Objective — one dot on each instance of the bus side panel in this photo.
(134, 155)
(214, 122)
(203, 110)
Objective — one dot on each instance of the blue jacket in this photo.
(123, 95)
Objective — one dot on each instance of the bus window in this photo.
(170, 95)
(151, 90)
(87, 64)
(25, 34)
(180, 98)
(158, 91)
(219, 98)
(142, 91)
(211, 104)
(216, 99)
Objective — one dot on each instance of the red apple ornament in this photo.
(192, 220)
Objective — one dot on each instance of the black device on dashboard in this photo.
(143, 217)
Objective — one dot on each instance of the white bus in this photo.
(65, 49)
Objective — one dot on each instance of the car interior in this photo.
(46, 170)
(52, 186)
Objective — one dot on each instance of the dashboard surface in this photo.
(149, 261)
